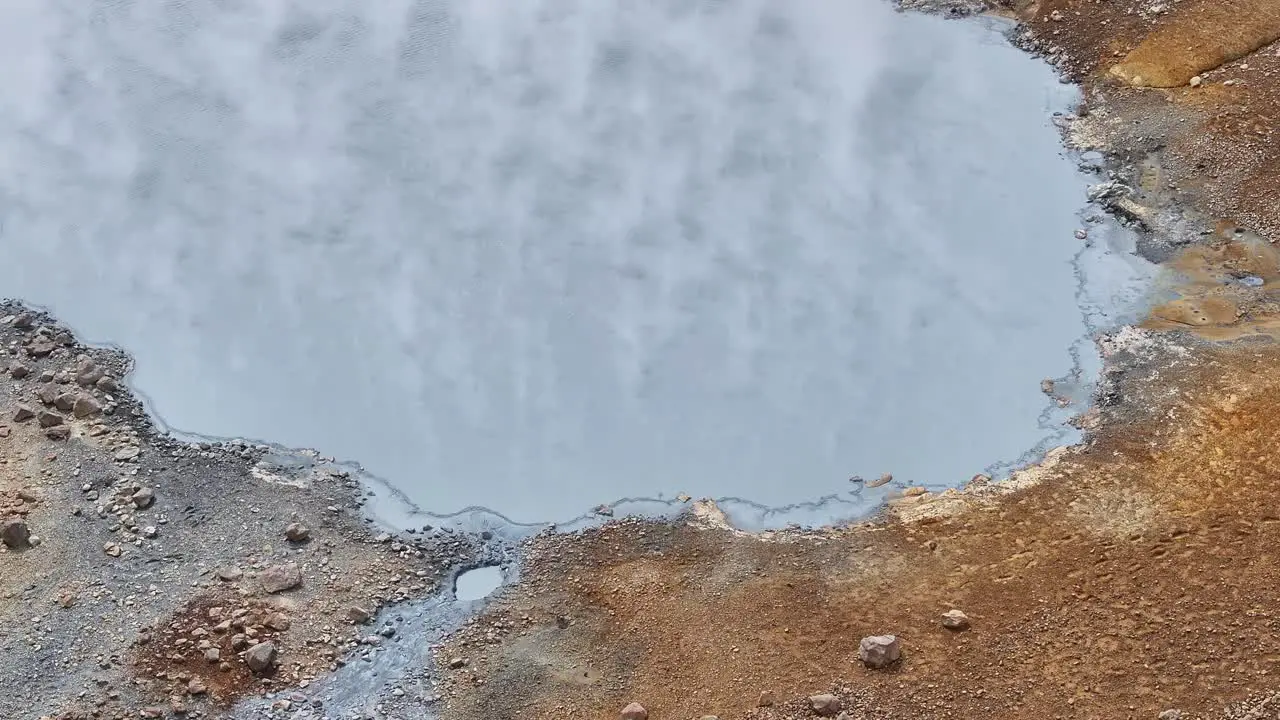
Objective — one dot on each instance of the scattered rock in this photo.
(278, 622)
(85, 406)
(49, 419)
(4, 431)
(884, 479)
(87, 372)
(41, 347)
(826, 705)
(211, 656)
(955, 620)
(112, 549)
(65, 401)
(297, 532)
(457, 663)
(766, 699)
(279, 578)
(229, 574)
(23, 413)
(143, 498)
(1082, 234)
(35, 540)
(261, 657)
(1170, 715)
(634, 711)
(878, 651)
(24, 321)
(15, 534)
(197, 686)
(1195, 81)
(19, 371)
(107, 384)
(1046, 386)
(61, 432)
(358, 615)
(47, 393)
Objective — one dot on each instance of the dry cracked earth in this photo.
(1132, 576)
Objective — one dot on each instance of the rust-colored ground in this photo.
(1135, 574)
(1218, 140)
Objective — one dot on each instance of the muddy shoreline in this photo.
(1123, 577)
(1127, 577)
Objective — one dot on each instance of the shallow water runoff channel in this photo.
(531, 258)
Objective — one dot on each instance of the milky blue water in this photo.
(539, 256)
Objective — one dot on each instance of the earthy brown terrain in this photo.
(1134, 576)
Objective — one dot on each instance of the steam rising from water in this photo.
(540, 255)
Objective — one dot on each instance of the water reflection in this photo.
(538, 256)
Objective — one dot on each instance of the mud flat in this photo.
(1131, 576)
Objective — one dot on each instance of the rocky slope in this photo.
(145, 577)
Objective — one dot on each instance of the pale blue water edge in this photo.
(537, 257)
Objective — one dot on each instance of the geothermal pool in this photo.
(536, 257)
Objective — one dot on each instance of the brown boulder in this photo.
(15, 534)
(279, 578)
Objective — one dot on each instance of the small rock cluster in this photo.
(209, 647)
(81, 392)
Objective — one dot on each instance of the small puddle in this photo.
(477, 584)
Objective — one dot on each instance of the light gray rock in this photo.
(825, 705)
(297, 532)
(261, 657)
(143, 498)
(955, 620)
(878, 651)
(634, 711)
